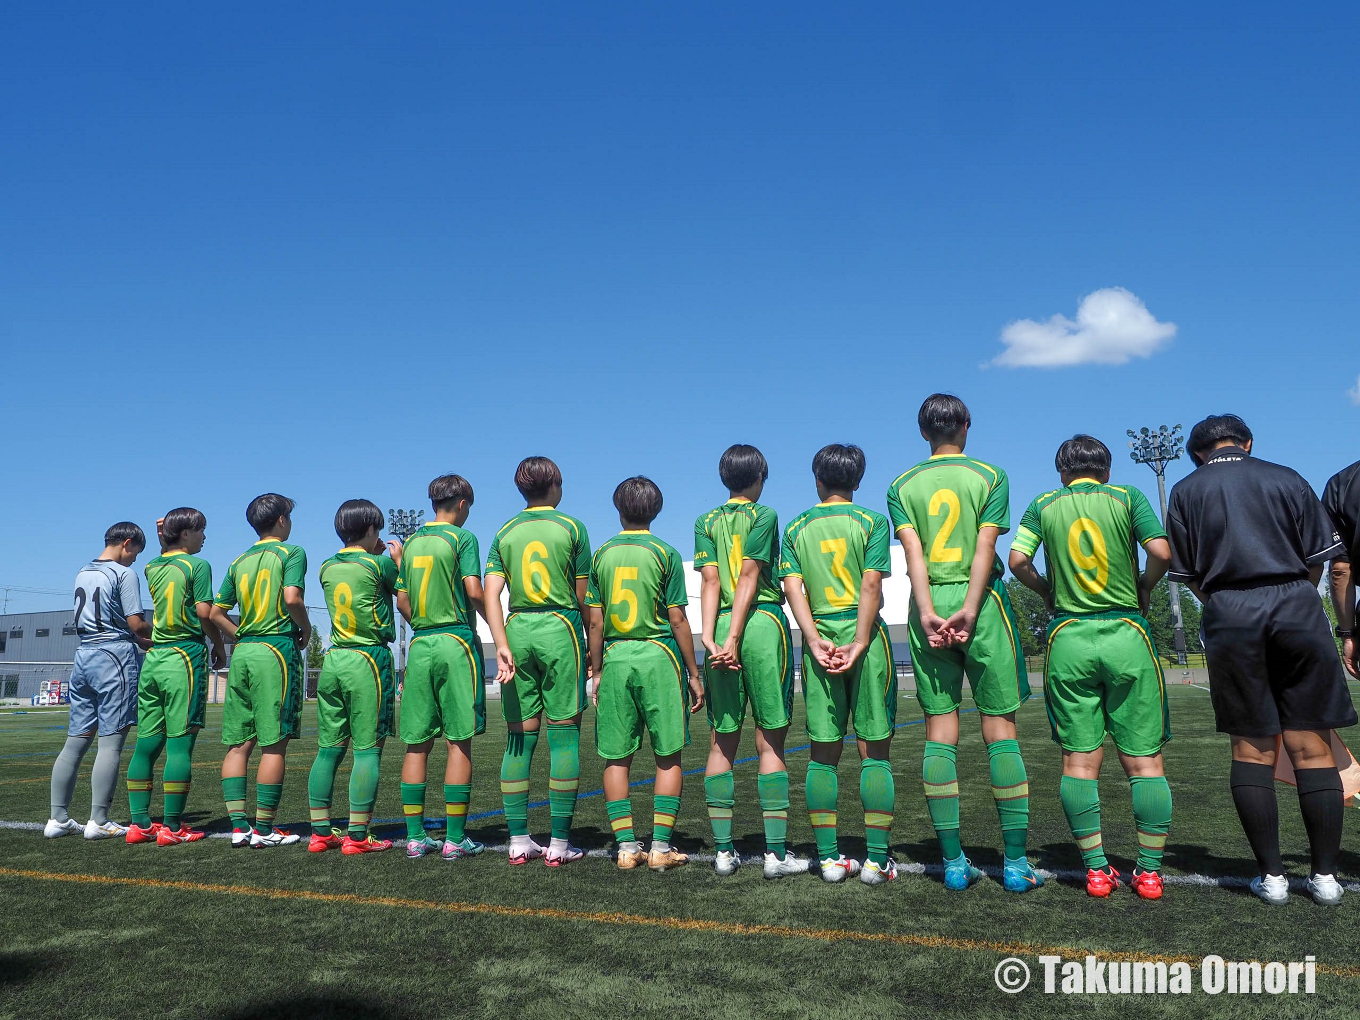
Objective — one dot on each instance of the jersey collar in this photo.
(739, 500)
(1234, 452)
(1084, 481)
(529, 509)
(639, 531)
(175, 552)
(354, 548)
(268, 538)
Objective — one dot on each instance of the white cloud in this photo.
(1354, 392)
(1112, 326)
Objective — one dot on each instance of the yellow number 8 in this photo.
(1093, 568)
(345, 622)
(537, 581)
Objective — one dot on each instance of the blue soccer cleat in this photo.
(1019, 877)
(960, 873)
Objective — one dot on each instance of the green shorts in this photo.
(992, 660)
(172, 692)
(765, 679)
(444, 690)
(642, 689)
(355, 697)
(550, 665)
(866, 697)
(1102, 676)
(264, 692)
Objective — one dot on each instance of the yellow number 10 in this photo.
(1093, 568)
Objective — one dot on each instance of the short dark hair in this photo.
(741, 466)
(265, 510)
(943, 415)
(447, 491)
(839, 466)
(638, 500)
(122, 532)
(1083, 454)
(180, 520)
(1213, 430)
(355, 517)
(535, 476)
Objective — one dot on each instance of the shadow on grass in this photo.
(20, 968)
(312, 1007)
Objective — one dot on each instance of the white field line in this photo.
(1060, 874)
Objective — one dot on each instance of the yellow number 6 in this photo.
(537, 581)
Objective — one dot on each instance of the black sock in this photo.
(1253, 792)
(1322, 804)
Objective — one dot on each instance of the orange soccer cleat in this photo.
(1147, 884)
(168, 837)
(1100, 882)
(320, 844)
(136, 834)
(372, 845)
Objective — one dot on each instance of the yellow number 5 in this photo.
(843, 598)
(621, 596)
(948, 501)
(1096, 563)
(537, 582)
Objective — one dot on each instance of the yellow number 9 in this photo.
(345, 622)
(1093, 568)
(537, 581)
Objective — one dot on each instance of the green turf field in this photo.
(107, 930)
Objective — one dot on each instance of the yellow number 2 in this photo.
(624, 596)
(537, 581)
(425, 564)
(1093, 568)
(940, 550)
(345, 622)
(845, 597)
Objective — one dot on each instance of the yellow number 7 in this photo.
(621, 596)
(425, 564)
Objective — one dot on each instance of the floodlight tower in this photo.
(401, 525)
(1156, 450)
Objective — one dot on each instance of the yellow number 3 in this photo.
(1093, 568)
(845, 597)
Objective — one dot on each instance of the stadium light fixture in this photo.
(1158, 448)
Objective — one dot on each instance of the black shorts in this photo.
(1273, 663)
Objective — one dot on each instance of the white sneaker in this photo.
(727, 862)
(55, 829)
(1325, 890)
(107, 830)
(1273, 889)
(837, 869)
(240, 839)
(523, 849)
(790, 865)
(274, 837)
(873, 874)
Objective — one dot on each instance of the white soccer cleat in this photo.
(1273, 889)
(838, 869)
(55, 829)
(240, 839)
(523, 850)
(106, 830)
(275, 837)
(790, 865)
(1325, 890)
(873, 874)
(727, 862)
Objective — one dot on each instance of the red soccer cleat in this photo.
(1147, 884)
(166, 837)
(320, 844)
(136, 834)
(1100, 882)
(372, 845)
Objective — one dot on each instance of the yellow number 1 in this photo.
(170, 604)
(734, 559)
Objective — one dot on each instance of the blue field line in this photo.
(481, 815)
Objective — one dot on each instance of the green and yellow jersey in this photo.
(541, 553)
(947, 500)
(635, 578)
(358, 587)
(830, 547)
(1090, 533)
(178, 581)
(434, 563)
(736, 531)
(256, 579)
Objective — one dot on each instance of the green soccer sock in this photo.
(940, 779)
(234, 793)
(720, 793)
(179, 773)
(320, 787)
(1152, 816)
(456, 797)
(363, 791)
(1081, 804)
(822, 790)
(564, 778)
(664, 810)
(1010, 789)
(413, 807)
(519, 756)
(143, 764)
(620, 814)
(267, 797)
(877, 792)
(773, 788)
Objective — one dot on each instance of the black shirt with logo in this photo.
(1341, 498)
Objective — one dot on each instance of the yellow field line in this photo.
(616, 918)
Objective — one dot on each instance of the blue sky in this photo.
(335, 250)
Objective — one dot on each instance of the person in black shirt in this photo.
(1341, 498)
(1250, 538)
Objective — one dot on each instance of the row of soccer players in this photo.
(619, 617)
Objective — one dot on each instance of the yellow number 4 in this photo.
(624, 596)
